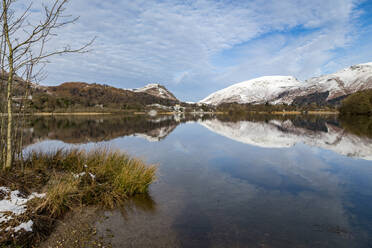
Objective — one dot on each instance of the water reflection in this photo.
(94, 129)
(137, 203)
(252, 181)
(349, 137)
(287, 133)
(358, 125)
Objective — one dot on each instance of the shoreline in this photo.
(72, 113)
(172, 113)
(62, 113)
(302, 113)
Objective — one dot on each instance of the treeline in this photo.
(359, 103)
(236, 109)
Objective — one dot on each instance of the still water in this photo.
(257, 181)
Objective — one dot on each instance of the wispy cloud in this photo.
(197, 46)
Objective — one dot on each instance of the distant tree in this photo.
(359, 103)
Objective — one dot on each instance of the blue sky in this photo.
(195, 47)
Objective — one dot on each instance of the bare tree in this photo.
(24, 47)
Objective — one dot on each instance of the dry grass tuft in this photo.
(74, 178)
(101, 177)
(61, 196)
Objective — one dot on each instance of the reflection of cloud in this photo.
(276, 134)
(235, 191)
(180, 147)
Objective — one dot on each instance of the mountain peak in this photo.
(257, 90)
(157, 90)
(365, 64)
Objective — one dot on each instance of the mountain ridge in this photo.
(257, 90)
(324, 90)
(330, 88)
(157, 90)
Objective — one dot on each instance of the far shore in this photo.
(172, 113)
(302, 113)
(67, 114)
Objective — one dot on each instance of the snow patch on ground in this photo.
(27, 226)
(76, 176)
(79, 175)
(13, 205)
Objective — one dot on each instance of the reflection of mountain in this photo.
(283, 133)
(157, 134)
(98, 128)
(264, 131)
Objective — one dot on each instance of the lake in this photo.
(253, 181)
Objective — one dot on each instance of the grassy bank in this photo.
(67, 179)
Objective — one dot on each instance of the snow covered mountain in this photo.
(258, 90)
(157, 90)
(287, 89)
(284, 134)
(332, 86)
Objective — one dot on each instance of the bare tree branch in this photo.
(24, 47)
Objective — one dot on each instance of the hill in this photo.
(80, 96)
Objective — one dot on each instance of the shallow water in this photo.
(258, 181)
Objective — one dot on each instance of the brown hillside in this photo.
(79, 95)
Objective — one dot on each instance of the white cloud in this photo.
(173, 42)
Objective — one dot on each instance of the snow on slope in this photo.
(347, 81)
(157, 90)
(284, 89)
(283, 134)
(258, 90)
